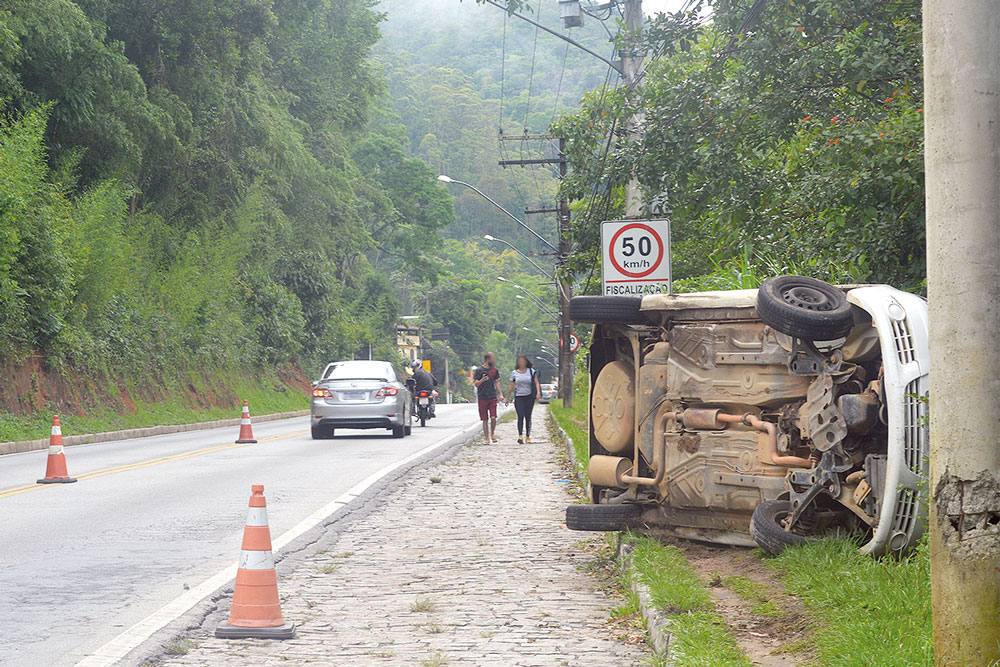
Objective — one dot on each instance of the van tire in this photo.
(766, 528)
(607, 310)
(603, 517)
(804, 308)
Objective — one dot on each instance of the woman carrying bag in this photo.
(526, 388)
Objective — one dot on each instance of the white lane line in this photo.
(127, 641)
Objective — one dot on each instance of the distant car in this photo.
(360, 394)
(549, 391)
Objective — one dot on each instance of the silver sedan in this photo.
(360, 394)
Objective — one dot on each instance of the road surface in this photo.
(81, 562)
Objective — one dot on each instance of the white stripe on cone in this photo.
(56, 430)
(244, 421)
(257, 516)
(256, 560)
(55, 449)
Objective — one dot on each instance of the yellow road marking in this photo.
(6, 493)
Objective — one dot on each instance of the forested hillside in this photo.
(459, 72)
(198, 185)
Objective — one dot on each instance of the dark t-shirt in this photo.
(423, 381)
(488, 389)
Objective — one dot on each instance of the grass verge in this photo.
(574, 422)
(699, 636)
(870, 609)
(265, 395)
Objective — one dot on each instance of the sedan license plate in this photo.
(425, 401)
(353, 395)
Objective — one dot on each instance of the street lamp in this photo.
(447, 179)
(534, 298)
(511, 246)
(536, 305)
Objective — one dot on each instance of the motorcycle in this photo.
(425, 405)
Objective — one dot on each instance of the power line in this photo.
(531, 75)
(562, 71)
(503, 67)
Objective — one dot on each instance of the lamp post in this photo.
(512, 247)
(541, 308)
(538, 302)
(447, 179)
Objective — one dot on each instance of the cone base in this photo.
(245, 442)
(226, 631)
(57, 480)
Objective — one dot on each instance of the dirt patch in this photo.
(770, 625)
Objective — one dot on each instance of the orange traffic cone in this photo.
(55, 469)
(246, 430)
(256, 610)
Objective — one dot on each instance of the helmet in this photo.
(416, 364)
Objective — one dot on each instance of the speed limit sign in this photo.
(574, 342)
(636, 257)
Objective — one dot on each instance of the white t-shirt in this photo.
(524, 382)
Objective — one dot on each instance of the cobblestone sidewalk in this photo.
(467, 563)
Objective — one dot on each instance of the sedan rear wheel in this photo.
(398, 431)
(322, 432)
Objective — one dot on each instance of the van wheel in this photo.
(602, 517)
(607, 310)
(804, 308)
(767, 530)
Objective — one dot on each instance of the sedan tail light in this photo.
(386, 391)
(322, 393)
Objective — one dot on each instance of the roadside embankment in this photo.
(129, 434)
(101, 408)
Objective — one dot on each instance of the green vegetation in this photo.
(213, 195)
(786, 141)
(699, 636)
(575, 422)
(868, 607)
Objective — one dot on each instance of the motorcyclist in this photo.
(423, 381)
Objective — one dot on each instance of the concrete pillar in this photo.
(962, 133)
(632, 61)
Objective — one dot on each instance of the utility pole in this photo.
(447, 376)
(962, 164)
(632, 61)
(567, 367)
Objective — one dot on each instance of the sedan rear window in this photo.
(361, 370)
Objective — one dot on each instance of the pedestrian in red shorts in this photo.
(487, 381)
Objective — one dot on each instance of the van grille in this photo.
(914, 428)
(903, 341)
(906, 511)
